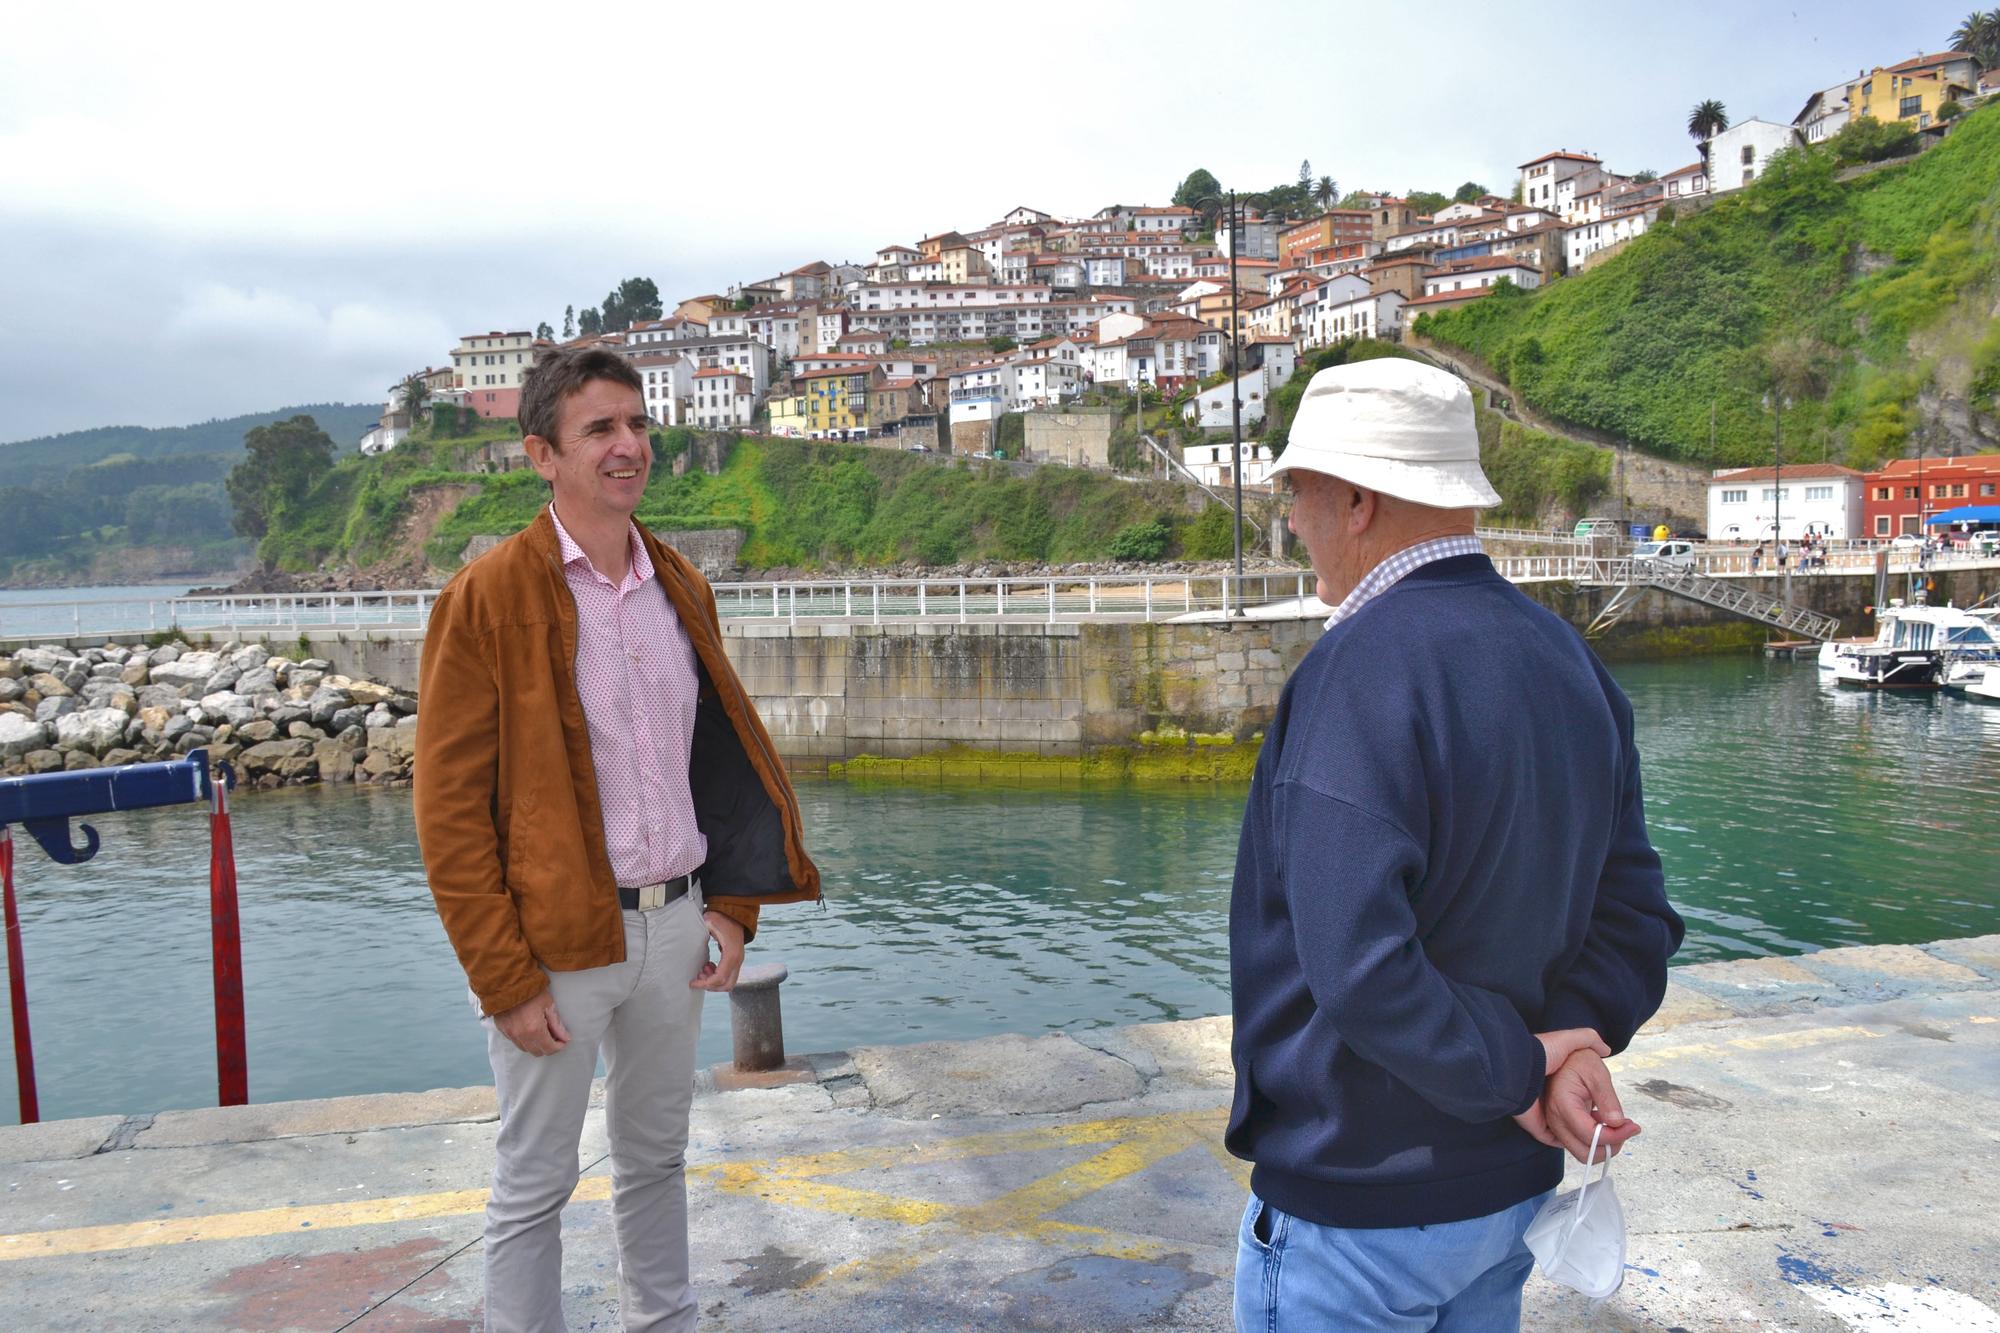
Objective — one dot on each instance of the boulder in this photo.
(163, 654)
(256, 733)
(316, 664)
(397, 742)
(48, 710)
(175, 727)
(118, 758)
(45, 761)
(105, 671)
(34, 661)
(257, 681)
(8, 669)
(225, 752)
(224, 679)
(368, 692)
(19, 736)
(278, 757)
(379, 766)
(249, 657)
(304, 731)
(289, 714)
(190, 673)
(187, 741)
(94, 730)
(161, 696)
(335, 761)
(380, 716)
(135, 674)
(116, 652)
(11, 689)
(403, 705)
(352, 738)
(159, 719)
(322, 704)
(303, 678)
(49, 685)
(216, 707)
(18, 709)
(348, 719)
(76, 759)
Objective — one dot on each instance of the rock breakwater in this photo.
(281, 721)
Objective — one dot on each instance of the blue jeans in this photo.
(1455, 1277)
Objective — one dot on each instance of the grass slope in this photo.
(1856, 297)
(801, 504)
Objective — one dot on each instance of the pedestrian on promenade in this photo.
(1756, 557)
(1445, 895)
(597, 801)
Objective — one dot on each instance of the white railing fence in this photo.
(1156, 597)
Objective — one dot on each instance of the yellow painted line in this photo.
(1132, 1145)
(1774, 1041)
(260, 1222)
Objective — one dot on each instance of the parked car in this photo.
(1599, 527)
(1986, 543)
(1907, 541)
(1677, 554)
(919, 449)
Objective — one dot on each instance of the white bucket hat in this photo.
(1392, 425)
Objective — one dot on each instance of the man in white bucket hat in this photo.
(1444, 892)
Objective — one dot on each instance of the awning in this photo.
(1966, 514)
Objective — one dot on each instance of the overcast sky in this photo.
(215, 209)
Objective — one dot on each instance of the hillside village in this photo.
(929, 346)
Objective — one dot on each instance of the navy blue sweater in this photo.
(1444, 853)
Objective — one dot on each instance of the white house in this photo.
(1210, 462)
(1040, 381)
(722, 398)
(1363, 314)
(1104, 270)
(1824, 497)
(1170, 221)
(669, 378)
(982, 392)
(1739, 154)
(1686, 182)
(1824, 115)
(1210, 409)
(1585, 239)
(1464, 275)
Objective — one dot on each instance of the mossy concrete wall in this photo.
(1000, 692)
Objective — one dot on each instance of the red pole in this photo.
(17, 986)
(232, 1070)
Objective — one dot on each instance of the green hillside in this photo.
(1868, 303)
(800, 504)
(131, 502)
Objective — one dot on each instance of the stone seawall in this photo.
(1097, 700)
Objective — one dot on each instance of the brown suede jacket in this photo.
(506, 796)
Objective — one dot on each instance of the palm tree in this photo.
(1707, 120)
(1325, 192)
(416, 392)
(1979, 35)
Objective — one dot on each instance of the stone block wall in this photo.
(1080, 439)
(831, 692)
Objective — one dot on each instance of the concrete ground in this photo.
(1820, 1154)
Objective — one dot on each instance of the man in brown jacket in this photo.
(596, 800)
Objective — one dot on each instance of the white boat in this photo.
(1917, 647)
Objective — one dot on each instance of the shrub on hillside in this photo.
(1866, 139)
(1211, 535)
(1141, 541)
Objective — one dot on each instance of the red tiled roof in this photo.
(1908, 466)
(1550, 157)
(1803, 471)
(1446, 298)
(1925, 62)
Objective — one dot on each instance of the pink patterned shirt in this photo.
(635, 671)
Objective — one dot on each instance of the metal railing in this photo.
(1737, 597)
(1154, 597)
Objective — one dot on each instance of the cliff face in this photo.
(1869, 302)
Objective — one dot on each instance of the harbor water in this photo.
(1790, 816)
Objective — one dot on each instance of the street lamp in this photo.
(1235, 386)
(1778, 403)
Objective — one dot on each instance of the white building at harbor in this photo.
(1743, 503)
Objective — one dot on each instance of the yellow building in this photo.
(836, 402)
(1909, 95)
(788, 415)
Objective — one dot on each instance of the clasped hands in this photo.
(1577, 1097)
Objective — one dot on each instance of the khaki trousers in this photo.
(646, 1019)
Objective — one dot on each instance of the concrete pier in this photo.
(1819, 1154)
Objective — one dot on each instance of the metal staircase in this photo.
(1728, 596)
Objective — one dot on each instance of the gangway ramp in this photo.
(1735, 597)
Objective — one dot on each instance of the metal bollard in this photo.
(756, 1029)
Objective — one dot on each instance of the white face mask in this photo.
(1578, 1238)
